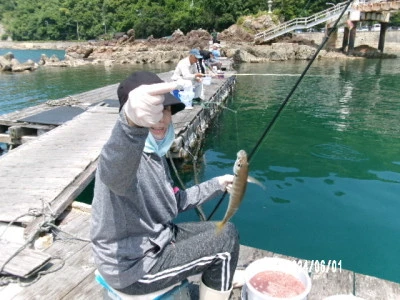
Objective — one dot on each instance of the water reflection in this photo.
(330, 163)
(337, 152)
(19, 90)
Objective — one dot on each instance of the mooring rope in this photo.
(280, 109)
(31, 212)
(198, 208)
(74, 237)
(5, 280)
(46, 226)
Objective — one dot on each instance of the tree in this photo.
(89, 19)
(291, 9)
(395, 19)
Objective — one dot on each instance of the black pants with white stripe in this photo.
(198, 248)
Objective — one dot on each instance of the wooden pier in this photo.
(54, 163)
(376, 11)
(22, 126)
(53, 168)
(74, 279)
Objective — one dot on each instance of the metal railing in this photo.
(301, 23)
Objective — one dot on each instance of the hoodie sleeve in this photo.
(198, 194)
(120, 156)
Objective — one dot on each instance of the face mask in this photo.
(160, 147)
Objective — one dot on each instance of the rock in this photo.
(235, 33)
(304, 52)
(122, 39)
(257, 24)
(44, 60)
(108, 63)
(9, 64)
(79, 51)
(131, 33)
(178, 33)
(237, 43)
(9, 56)
(5, 64)
(26, 66)
(53, 61)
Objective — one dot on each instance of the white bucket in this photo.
(280, 265)
(186, 98)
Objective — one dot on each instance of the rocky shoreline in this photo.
(54, 45)
(236, 45)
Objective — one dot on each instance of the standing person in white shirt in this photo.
(187, 69)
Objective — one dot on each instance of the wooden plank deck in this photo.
(75, 280)
(10, 122)
(43, 176)
(47, 174)
(13, 131)
(55, 167)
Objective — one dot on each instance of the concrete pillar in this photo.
(352, 37)
(382, 35)
(345, 39)
(331, 43)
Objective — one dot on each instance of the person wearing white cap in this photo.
(187, 70)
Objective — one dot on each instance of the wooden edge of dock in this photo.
(75, 279)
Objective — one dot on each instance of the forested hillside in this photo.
(90, 19)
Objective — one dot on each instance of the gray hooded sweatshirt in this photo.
(134, 204)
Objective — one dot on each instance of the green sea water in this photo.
(330, 164)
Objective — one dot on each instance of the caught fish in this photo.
(239, 184)
(238, 188)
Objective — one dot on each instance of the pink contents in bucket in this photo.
(277, 284)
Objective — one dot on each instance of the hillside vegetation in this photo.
(90, 19)
(27, 20)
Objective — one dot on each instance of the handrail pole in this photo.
(303, 22)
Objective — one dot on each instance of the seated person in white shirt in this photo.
(187, 69)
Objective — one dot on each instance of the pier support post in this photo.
(345, 39)
(382, 35)
(331, 43)
(352, 38)
(18, 132)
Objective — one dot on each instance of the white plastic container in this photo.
(186, 96)
(207, 80)
(274, 264)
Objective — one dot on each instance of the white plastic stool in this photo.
(178, 290)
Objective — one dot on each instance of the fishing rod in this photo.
(273, 74)
(280, 109)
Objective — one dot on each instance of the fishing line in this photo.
(277, 75)
(268, 128)
(278, 112)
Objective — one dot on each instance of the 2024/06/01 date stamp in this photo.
(320, 266)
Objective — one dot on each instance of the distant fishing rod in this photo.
(278, 112)
(272, 74)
